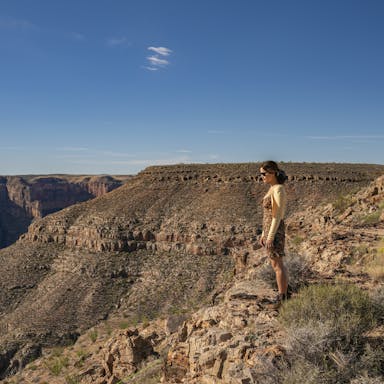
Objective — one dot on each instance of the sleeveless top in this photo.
(279, 240)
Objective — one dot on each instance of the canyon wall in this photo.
(210, 192)
(25, 198)
(165, 241)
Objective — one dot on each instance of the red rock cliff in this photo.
(24, 198)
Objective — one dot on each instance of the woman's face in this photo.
(268, 178)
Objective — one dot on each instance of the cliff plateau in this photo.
(170, 240)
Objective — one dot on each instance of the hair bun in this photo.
(281, 176)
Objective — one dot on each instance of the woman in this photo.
(273, 235)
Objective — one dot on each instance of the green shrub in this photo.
(93, 335)
(375, 267)
(371, 361)
(72, 380)
(342, 203)
(325, 327)
(347, 309)
(124, 325)
(378, 302)
(56, 365)
(297, 240)
(368, 380)
(83, 355)
(301, 372)
(371, 218)
(57, 351)
(360, 250)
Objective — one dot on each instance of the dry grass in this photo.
(347, 308)
(368, 380)
(371, 218)
(56, 365)
(326, 343)
(298, 268)
(296, 241)
(375, 267)
(342, 203)
(93, 335)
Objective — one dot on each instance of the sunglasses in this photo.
(263, 173)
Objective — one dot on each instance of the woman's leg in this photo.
(281, 274)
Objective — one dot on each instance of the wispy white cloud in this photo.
(184, 151)
(157, 61)
(151, 68)
(82, 152)
(75, 156)
(347, 137)
(117, 41)
(16, 24)
(72, 149)
(160, 50)
(117, 154)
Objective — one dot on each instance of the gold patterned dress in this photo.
(278, 244)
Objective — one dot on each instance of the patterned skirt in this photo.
(279, 241)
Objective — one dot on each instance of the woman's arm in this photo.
(278, 206)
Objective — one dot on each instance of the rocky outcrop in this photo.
(228, 342)
(123, 354)
(24, 198)
(166, 241)
(349, 222)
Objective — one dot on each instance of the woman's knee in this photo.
(277, 264)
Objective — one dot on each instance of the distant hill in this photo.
(166, 239)
(23, 198)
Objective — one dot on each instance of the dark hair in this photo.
(272, 167)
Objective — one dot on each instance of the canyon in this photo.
(160, 250)
(24, 198)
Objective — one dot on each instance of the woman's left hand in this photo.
(269, 244)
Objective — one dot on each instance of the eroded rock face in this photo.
(228, 342)
(238, 341)
(208, 191)
(167, 239)
(347, 222)
(24, 198)
(124, 354)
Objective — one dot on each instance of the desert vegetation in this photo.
(299, 272)
(327, 336)
(342, 202)
(368, 259)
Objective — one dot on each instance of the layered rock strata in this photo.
(24, 198)
(167, 239)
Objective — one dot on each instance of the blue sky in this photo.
(94, 86)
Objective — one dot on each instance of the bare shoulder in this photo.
(279, 192)
(278, 188)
